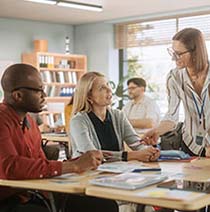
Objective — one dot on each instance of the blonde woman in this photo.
(95, 125)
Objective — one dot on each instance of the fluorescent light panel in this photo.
(76, 5)
(82, 6)
(52, 2)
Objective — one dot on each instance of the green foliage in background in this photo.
(119, 90)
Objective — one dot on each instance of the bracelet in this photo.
(124, 156)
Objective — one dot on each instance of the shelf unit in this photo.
(60, 73)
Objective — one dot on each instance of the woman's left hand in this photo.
(155, 155)
(207, 151)
(148, 154)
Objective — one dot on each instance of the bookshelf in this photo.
(60, 73)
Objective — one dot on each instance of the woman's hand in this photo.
(148, 154)
(151, 137)
(207, 152)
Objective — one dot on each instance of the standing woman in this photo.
(96, 126)
(189, 82)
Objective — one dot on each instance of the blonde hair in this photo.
(83, 90)
(194, 41)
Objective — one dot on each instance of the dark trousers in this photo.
(63, 202)
(77, 203)
(13, 204)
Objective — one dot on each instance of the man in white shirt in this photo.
(142, 112)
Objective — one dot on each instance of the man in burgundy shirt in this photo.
(21, 155)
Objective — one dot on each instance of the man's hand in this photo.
(87, 161)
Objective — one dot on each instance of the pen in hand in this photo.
(104, 160)
(81, 153)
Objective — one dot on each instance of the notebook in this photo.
(128, 181)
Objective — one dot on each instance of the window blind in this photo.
(138, 34)
(201, 22)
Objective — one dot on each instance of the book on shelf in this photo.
(128, 181)
(55, 119)
(74, 77)
(66, 76)
(48, 76)
(53, 76)
(70, 77)
(57, 76)
(66, 91)
(47, 89)
(61, 77)
(52, 91)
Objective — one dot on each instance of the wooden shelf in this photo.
(60, 74)
(56, 99)
(61, 69)
(59, 84)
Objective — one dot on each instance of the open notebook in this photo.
(128, 181)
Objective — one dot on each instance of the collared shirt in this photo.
(146, 108)
(105, 132)
(180, 88)
(21, 156)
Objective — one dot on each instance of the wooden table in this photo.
(75, 184)
(55, 137)
(198, 170)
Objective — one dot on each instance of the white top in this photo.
(180, 88)
(146, 108)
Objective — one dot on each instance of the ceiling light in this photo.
(82, 6)
(72, 4)
(43, 1)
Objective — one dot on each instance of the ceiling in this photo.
(113, 10)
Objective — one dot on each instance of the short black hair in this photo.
(140, 82)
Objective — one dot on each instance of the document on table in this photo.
(121, 167)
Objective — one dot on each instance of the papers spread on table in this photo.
(120, 167)
(72, 177)
(128, 181)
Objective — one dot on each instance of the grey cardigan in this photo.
(83, 135)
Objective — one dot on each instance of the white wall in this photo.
(16, 37)
(97, 42)
(94, 40)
